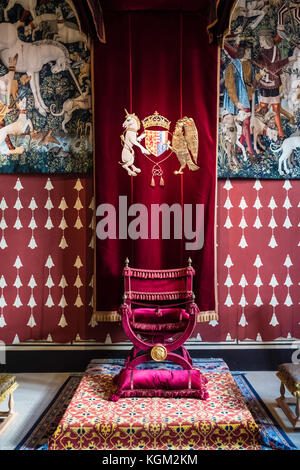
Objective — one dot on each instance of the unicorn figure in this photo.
(131, 125)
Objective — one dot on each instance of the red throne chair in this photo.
(159, 314)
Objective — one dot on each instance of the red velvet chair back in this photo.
(158, 285)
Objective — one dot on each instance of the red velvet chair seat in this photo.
(158, 320)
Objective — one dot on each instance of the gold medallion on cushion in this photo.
(158, 353)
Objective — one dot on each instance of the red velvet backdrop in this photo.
(155, 61)
(258, 240)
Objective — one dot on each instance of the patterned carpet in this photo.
(81, 417)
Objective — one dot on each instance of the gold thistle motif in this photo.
(159, 353)
(185, 144)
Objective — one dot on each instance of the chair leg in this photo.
(282, 390)
(11, 403)
(127, 364)
(284, 404)
(137, 360)
(129, 357)
(184, 362)
(186, 355)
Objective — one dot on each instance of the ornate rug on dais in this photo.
(92, 421)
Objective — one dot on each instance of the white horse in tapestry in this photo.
(31, 58)
(132, 125)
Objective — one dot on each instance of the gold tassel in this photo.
(162, 183)
(152, 181)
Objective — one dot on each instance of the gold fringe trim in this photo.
(173, 295)
(107, 316)
(207, 316)
(114, 316)
(8, 392)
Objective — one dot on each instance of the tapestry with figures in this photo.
(259, 112)
(45, 89)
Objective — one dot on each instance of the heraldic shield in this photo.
(156, 141)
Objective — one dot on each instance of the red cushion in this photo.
(161, 383)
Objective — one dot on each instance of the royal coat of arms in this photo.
(159, 142)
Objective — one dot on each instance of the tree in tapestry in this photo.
(259, 112)
(45, 89)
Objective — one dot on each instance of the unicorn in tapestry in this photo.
(31, 58)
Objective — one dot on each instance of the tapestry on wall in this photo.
(45, 89)
(259, 111)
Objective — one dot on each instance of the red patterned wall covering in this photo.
(258, 258)
(46, 258)
(46, 269)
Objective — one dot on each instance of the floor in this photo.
(36, 391)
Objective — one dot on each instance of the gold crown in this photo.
(156, 120)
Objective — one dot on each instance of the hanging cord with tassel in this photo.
(157, 170)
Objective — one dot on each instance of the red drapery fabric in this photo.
(155, 61)
(90, 17)
(217, 13)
